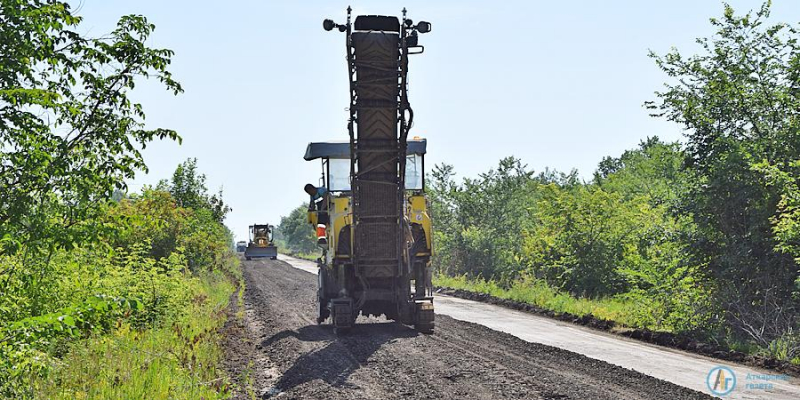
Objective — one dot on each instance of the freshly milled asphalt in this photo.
(279, 351)
(681, 368)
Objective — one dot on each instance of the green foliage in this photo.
(786, 347)
(652, 182)
(69, 130)
(616, 237)
(178, 359)
(786, 222)
(482, 219)
(533, 291)
(581, 238)
(85, 270)
(143, 269)
(738, 101)
(94, 313)
(28, 346)
(654, 170)
(155, 218)
(296, 233)
(702, 238)
(188, 188)
(139, 274)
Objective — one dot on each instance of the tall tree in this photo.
(188, 188)
(69, 133)
(739, 101)
(296, 232)
(654, 170)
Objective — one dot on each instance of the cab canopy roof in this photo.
(341, 149)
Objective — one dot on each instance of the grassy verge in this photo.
(626, 314)
(179, 359)
(541, 295)
(302, 256)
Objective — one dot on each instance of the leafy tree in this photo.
(740, 103)
(137, 274)
(582, 238)
(786, 223)
(296, 232)
(480, 221)
(654, 170)
(188, 188)
(69, 133)
(443, 193)
(155, 218)
(616, 236)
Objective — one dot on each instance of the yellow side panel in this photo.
(340, 216)
(417, 213)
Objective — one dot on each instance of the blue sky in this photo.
(557, 84)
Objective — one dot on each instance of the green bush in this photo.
(145, 271)
(295, 234)
(537, 292)
(178, 358)
(553, 241)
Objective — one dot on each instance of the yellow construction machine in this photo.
(372, 216)
(261, 242)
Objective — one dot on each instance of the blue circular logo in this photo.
(721, 381)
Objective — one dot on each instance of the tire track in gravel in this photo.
(292, 357)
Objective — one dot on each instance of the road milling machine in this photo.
(261, 243)
(373, 221)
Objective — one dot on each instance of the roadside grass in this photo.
(240, 300)
(538, 293)
(302, 256)
(785, 348)
(249, 387)
(623, 313)
(284, 249)
(179, 359)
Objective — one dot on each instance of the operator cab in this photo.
(261, 242)
(261, 234)
(335, 158)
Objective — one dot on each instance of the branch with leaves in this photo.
(69, 133)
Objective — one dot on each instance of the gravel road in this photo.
(277, 350)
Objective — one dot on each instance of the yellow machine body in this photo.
(399, 288)
(340, 215)
(261, 244)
